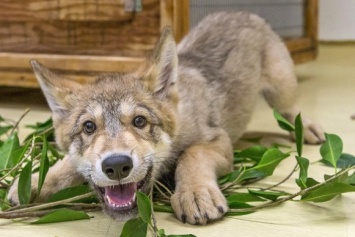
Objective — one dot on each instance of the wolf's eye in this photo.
(139, 121)
(89, 127)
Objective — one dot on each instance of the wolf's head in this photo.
(118, 130)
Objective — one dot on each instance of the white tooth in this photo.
(109, 200)
(118, 205)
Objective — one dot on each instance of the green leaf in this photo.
(61, 216)
(236, 205)
(270, 160)
(339, 179)
(161, 233)
(3, 195)
(303, 163)
(345, 161)
(41, 127)
(54, 151)
(270, 195)
(327, 192)
(283, 123)
(255, 153)
(17, 155)
(229, 177)
(24, 184)
(311, 182)
(224, 179)
(241, 160)
(5, 129)
(144, 207)
(189, 235)
(279, 145)
(163, 208)
(44, 164)
(135, 227)
(331, 149)
(6, 152)
(239, 200)
(252, 174)
(299, 134)
(351, 179)
(244, 197)
(73, 192)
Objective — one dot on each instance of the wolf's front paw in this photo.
(198, 204)
(313, 133)
(46, 191)
(13, 192)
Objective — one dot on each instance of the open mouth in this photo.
(119, 201)
(121, 197)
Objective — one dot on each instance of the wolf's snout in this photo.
(117, 167)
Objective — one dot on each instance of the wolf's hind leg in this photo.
(61, 175)
(197, 198)
(280, 89)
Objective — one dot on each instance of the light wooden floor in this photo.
(327, 94)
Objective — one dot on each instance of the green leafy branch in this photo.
(38, 152)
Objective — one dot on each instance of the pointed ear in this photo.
(161, 71)
(59, 92)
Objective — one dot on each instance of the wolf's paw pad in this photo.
(199, 205)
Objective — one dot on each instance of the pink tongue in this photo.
(121, 194)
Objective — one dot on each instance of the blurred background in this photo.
(82, 37)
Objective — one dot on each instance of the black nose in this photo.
(117, 167)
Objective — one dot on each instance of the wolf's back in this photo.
(219, 29)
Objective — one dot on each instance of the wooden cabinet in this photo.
(82, 37)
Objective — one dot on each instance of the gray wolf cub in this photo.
(183, 109)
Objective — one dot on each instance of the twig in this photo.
(6, 215)
(3, 185)
(4, 203)
(290, 197)
(231, 184)
(45, 131)
(157, 184)
(282, 181)
(154, 224)
(51, 204)
(18, 121)
(20, 163)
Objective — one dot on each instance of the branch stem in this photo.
(292, 196)
(49, 205)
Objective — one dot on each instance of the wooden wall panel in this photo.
(68, 10)
(78, 27)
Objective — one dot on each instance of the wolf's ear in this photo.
(161, 73)
(59, 92)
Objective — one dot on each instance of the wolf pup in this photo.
(184, 108)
